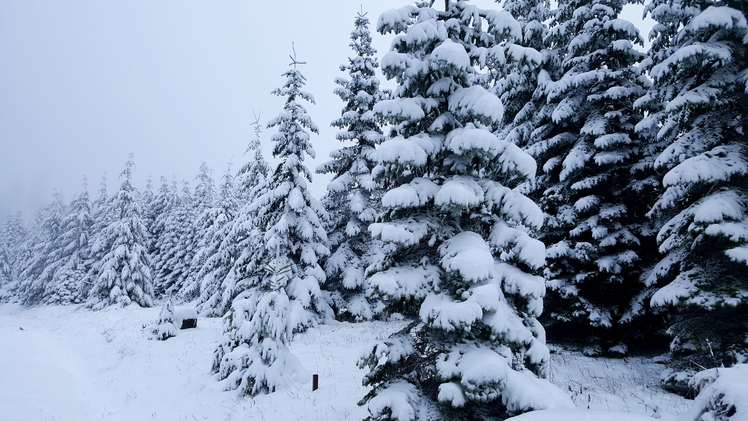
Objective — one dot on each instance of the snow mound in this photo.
(723, 394)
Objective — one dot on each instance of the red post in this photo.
(315, 382)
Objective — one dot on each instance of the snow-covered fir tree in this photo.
(165, 327)
(73, 261)
(516, 85)
(353, 196)
(699, 63)
(458, 261)
(235, 240)
(167, 244)
(12, 239)
(214, 253)
(255, 171)
(6, 260)
(124, 274)
(278, 272)
(45, 251)
(147, 196)
(156, 214)
(103, 215)
(176, 253)
(199, 233)
(592, 190)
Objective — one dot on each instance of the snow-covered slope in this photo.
(66, 363)
(69, 363)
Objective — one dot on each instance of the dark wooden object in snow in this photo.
(185, 317)
(189, 323)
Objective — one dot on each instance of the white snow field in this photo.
(69, 363)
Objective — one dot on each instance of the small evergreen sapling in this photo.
(166, 328)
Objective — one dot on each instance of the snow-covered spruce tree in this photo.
(124, 276)
(517, 84)
(103, 215)
(353, 196)
(147, 197)
(12, 239)
(72, 264)
(458, 262)
(699, 64)
(26, 253)
(45, 253)
(168, 244)
(200, 232)
(235, 241)
(6, 259)
(280, 276)
(177, 244)
(156, 215)
(215, 254)
(255, 171)
(592, 189)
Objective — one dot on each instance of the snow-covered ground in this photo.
(628, 385)
(68, 363)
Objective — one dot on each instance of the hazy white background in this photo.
(85, 82)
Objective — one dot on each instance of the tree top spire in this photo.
(294, 61)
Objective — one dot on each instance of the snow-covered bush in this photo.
(723, 395)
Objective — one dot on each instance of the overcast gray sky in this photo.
(85, 82)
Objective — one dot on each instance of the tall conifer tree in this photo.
(699, 64)
(73, 260)
(592, 188)
(353, 196)
(39, 267)
(124, 275)
(12, 240)
(223, 275)
(458, 261)
(200, 232)
(279, 268)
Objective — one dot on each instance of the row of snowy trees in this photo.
(82, 251)
(644, 161)
(531, 155)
